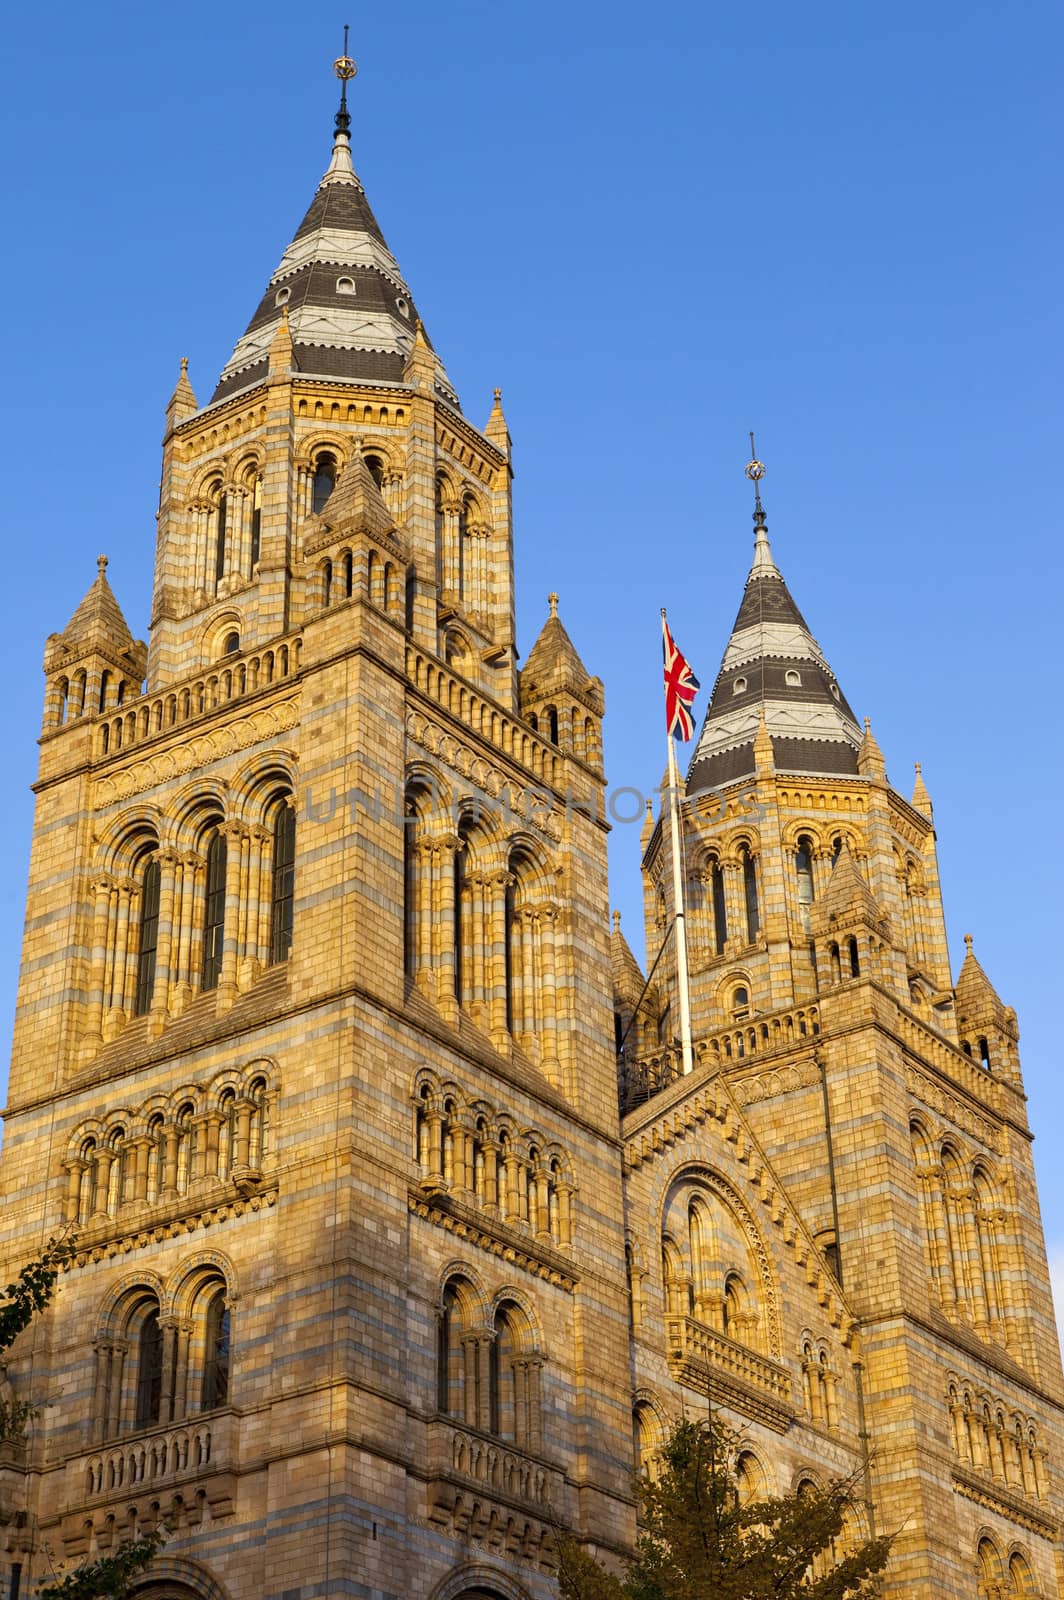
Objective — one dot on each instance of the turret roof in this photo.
(773, 666)
(350, 311)
(847, 894)
(98, 620)
(553, 661)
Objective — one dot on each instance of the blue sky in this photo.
(655, 229)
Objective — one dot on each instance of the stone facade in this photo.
(382, 1262)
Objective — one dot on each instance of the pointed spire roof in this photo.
(976, 995)
(847, 896)
(921, 800)
(628, 980)
(98, 619)
(773, 667)
(553, 662)
(355, 506)
(97, 626)
(350, 312)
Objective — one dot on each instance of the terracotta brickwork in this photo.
(386, 1263)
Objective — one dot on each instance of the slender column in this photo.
(938, 1234)
(160, 999)
(182, 1340)
(72, 1199)
(470, 1345)
(484, 1342)
(549, 1031)
(168, 1328)
(212, 1124)
(496, 922)
(565, 1214)
(242, 1140)
(170, 1137)
(140, 1151)
(491, 1175)
(255, 948)
(120, 925)
(521, 1408)
(105, 1159)
(234, 836)
(113, 1415)
(434, 1122)
(443, 955)
(265, 895)
(734, 904)
(102, 889)
(512, 1207)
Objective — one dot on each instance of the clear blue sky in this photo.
(655, 228)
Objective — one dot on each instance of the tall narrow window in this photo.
(149, 937)
(149, 1370)
(753, 911)
(216, 1353)
(510, 917)
(720, 909)
(219, 542)
(803, 864)
(376, 469)
(214, 911)
(410, 886)
(462, 913)
(256, 525)
(283, 897)
(324, 481)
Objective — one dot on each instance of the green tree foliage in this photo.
(32, 1289)
(700, 1543)
(110, 1577)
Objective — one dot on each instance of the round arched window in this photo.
(231, 643)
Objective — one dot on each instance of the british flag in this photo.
(681, 686)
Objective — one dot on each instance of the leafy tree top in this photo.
(701, 1542)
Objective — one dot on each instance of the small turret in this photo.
(870, 762)
(560, 698)
(353, 544)
(921, 800)
(497, 430)
(182, 402)
(95, 664)
(988, 1028)
(848, 924)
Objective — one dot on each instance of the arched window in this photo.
(720, 907)
(149, 1369)
(148, 940)
(753, 913)
(231, 643)
(376, 469)
(991, 1572)
(803, 864)
(740, 1002)
(259, 1130)
(410, 890)
(156, 1156)
(855, 958)
(324, 481)
(215, 1390)
(214, 911)
(282, 897)
(749, 1478)
(646, 1431)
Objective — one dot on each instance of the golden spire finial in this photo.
(345, 69)
(552, 601)
(755, 471)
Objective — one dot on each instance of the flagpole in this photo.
(683, 982)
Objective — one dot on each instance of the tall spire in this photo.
(350, 312)
(341, 168)
(774, 673)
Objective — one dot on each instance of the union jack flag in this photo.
(681, 687)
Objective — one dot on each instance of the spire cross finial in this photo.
(345, 70)
(552, 600)
(755, 471)
(101, 565)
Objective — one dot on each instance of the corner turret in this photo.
(559, 697)
(95, 664)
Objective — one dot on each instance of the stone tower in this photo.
(314, 1044)
(843, 1076)
(317, 1043)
